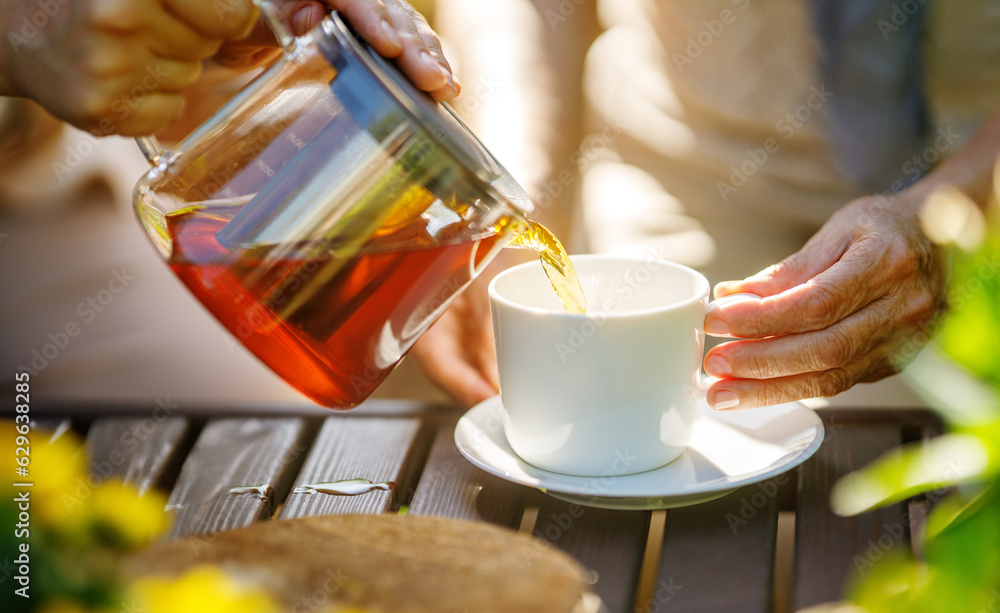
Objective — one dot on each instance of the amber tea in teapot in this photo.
(329, 213)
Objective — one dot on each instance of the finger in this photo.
(245, 57)
(122, 16)
(223, 19)
(108, 55)
(738, 394)
(148, 115)
(853, 282)
(148, 91)
(162, 75)
(137, 73)
(424, 65)
(172, 38)
(371, 20)
(852, 339)
(442, 363)
(307, 17)
(487, 357)
(427, 34)
(447, 92)
(299, 16)
(464, 383)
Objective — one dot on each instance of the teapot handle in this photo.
(150, 146)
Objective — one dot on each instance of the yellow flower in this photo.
(137, 519)
(56, 468)
(203, 589)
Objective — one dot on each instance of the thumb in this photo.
(299, 16)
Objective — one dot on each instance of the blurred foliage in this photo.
(958, 568)
(971, 334)
(80, 528)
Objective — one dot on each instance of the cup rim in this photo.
(508, 303)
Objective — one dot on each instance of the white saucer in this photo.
(728, 450)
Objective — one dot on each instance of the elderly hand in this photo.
(457, 353)
(393, 27)
(120, 66)
(855, 304)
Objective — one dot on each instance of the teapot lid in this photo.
(440, 121)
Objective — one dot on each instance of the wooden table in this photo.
(771, 546)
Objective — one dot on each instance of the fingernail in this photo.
(452, 85)
(721, 287)
(718, 366)
(716, 327)
(302, 21)
(726, 400)
(430, 62)
(390, 34)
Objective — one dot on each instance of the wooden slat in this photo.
(135, 450)
(719, 555)
(233, 473)
(610, 543)
(451, 486)
(830, 550)
(373, 449)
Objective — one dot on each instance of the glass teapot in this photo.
(328, 213)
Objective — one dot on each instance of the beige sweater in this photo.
(714, 119)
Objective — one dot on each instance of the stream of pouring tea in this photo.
(556, 263)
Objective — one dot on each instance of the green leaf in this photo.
(912, 469)
(963, 536)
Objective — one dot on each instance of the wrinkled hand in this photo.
(457, 353)
(393, 27)
(117, 66)
(855, 304)
(120, 66)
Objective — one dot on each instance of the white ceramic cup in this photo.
(609, 392)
